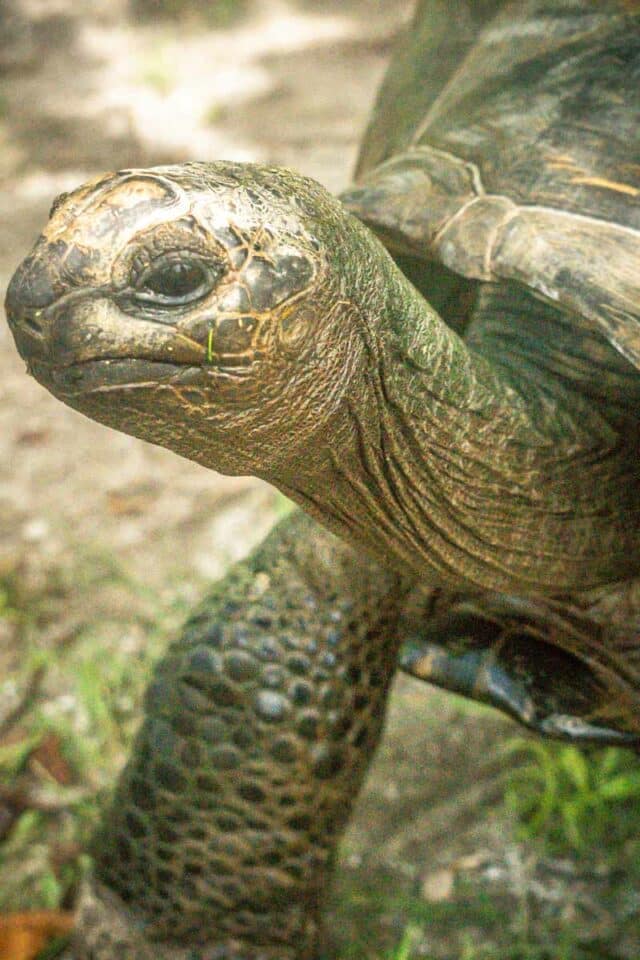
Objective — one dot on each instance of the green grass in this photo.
(572, 800)
(404, 950)
(87, 698)
(572, 816)
(84, 679)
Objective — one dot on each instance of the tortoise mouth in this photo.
(105, 374)
(118, 374)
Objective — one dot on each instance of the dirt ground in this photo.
(85, 88)
(287, 84)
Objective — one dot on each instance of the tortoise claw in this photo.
(547, 689)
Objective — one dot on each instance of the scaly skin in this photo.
(313, 363)
(299, 353)
(259, 725)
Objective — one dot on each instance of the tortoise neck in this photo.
(438, 463)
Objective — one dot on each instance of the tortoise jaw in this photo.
(117, 374)
(71, 351)
(84, 336)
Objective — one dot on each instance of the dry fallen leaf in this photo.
(33, 438)
(47, 758)
(133, 500)
(24, 935)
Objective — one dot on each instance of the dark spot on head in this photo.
(57, 203)
(33, 286)
(271, 284)
(79, 264)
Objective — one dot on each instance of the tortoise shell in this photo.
(507, 151)
(514, 155)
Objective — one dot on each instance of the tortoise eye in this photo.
(175, 281)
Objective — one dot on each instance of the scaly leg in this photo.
(260, 723)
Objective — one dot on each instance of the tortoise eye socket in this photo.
(176, 280)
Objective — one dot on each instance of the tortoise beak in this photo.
(58, 323)
(34, 288)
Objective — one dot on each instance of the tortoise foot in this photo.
(516, 657)
(108, 930)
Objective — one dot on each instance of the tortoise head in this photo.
(191, 306)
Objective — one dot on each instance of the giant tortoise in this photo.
(441, 370)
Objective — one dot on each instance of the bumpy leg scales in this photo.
(260, 722)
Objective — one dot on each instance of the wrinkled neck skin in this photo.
(497, 463)
(464, 471)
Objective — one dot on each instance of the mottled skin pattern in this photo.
(484, 488)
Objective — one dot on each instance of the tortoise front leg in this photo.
(260, 722)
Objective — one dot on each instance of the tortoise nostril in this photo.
(31, 288)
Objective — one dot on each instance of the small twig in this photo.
(26, 796)
(29, 694)
(60, 636)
